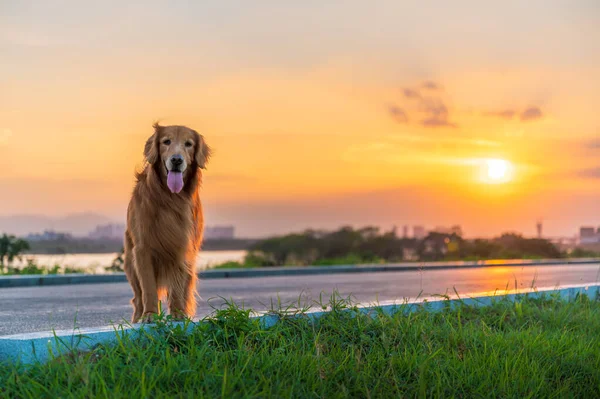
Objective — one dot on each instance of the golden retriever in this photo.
(165, 223)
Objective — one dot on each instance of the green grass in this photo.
(350, 259)
(346, 260)
(231, 265)
(253, 261)
(32, 268)
(533, 348)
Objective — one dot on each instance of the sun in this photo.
(497, 170)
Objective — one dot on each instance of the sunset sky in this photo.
(321, 113)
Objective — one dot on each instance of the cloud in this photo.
(435, 107)
(436, 113)
(437, 122)
(462, 141)
(432, 109)
(531, 113)
(591, 173)
(528, 114)
(410, 93)
(505, 114)
(593, 144)
(431, 85)
(398, 114)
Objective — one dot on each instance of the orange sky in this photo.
(320, 115)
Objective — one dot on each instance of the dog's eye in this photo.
(189, 144)
(167, 142)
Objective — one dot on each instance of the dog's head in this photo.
(175, 152)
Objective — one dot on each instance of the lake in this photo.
(98, 262)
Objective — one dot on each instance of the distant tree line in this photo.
(317, 247)
(369, 245)
(438, 246)
(321, 247)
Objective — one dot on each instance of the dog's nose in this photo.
(176, 160)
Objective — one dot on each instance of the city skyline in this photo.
(112, 229)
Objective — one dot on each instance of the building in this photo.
(48, 235)
(565, 244)
(405, 231)
(589, 235)
(410, 254)
(456, 229)
(419, 232)
(436, 247)
(219, 232)
(108, 231)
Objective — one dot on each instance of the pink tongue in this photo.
(175, 181)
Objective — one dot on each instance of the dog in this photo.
(165, 223)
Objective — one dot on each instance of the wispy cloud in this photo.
(451, 140)
(591, 173)
(531, 113)
(431, 85)
(431, 109)
(593, 144)
(437, 122)
(398, 114)
(411, 149)
(410, 93)
(436, 113)
(528, 114)
(504, 114)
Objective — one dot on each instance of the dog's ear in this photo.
(203, 151)
(150, 151)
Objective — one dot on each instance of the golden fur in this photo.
(164, 229)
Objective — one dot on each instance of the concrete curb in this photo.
(63, 279)
(43, 346)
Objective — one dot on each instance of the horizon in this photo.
(91, 227)
(320, 115)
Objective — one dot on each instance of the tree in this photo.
(11, 247)
(117, 263)
(516, 246)
(482, 249)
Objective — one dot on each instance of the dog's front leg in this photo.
(145, 272)
(182, 299)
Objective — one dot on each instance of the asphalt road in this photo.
(33, 309)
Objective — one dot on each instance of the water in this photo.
(97, 262)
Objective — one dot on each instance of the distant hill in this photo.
(79, 224)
